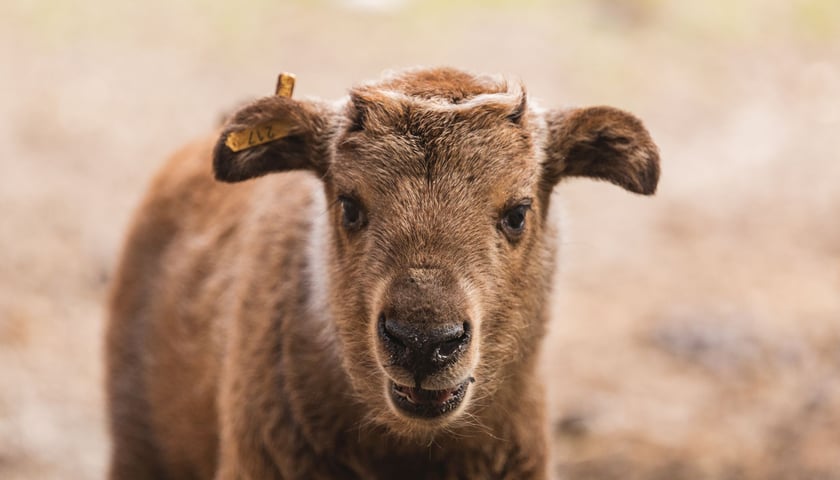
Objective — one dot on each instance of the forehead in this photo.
(453, 140)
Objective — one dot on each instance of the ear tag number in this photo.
(266, 132)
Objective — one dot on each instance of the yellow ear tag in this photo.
(285, 85)
(266, 132)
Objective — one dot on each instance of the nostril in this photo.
(449, 347)
(387, 332)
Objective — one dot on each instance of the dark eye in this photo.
(353, 218)
(513, 221)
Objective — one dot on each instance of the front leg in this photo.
(243, 453)
(274, 452)
(259, 436)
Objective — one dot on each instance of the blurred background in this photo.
(696, 333)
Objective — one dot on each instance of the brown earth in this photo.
(697, 333)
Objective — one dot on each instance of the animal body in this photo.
(372, 306)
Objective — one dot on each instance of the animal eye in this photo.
(513, 221)
(353, 217)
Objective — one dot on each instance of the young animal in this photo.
(374, 313)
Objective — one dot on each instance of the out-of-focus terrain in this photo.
(697, 333)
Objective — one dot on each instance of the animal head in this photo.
(438, 185)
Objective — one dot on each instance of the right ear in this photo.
(273, 134)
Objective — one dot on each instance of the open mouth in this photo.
(421, 403)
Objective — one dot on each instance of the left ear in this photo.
(603, 143)
(273, 134)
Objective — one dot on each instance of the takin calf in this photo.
(374, 313)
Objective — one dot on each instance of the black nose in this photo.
(422, 348)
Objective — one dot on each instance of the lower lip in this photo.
(427, 403)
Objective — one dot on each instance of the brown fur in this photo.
(242, 340)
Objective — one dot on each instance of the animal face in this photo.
(436, 226)
(438, 184)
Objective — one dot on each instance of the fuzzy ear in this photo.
(369, 109)
(603, 143)
(273, 134)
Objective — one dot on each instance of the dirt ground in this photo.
(697, 333)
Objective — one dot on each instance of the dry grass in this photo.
(697, 333)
